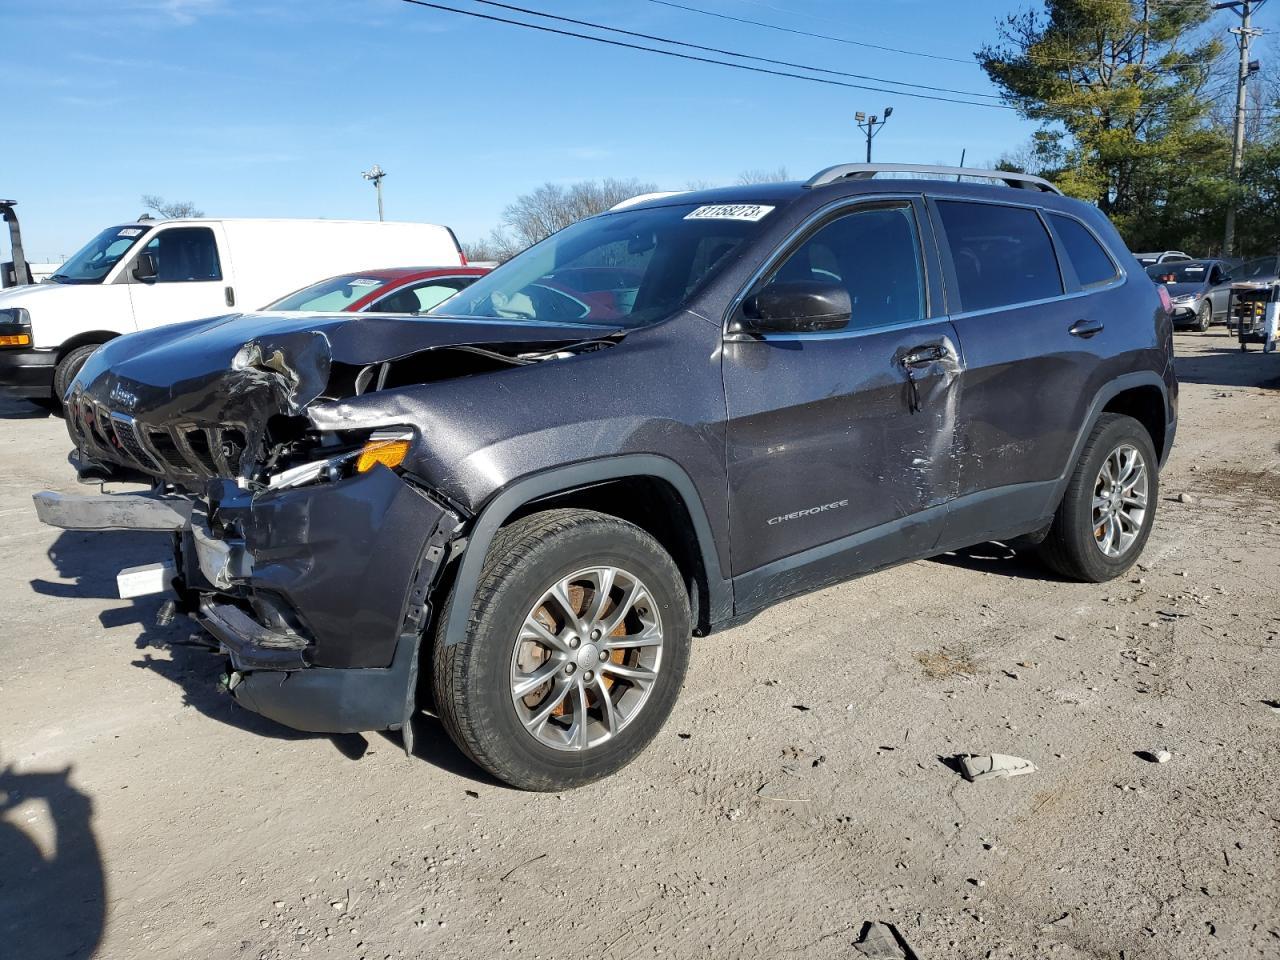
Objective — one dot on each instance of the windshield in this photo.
(99, 255)
(334, 294)
(1257, 269)
(1178, 272)
(624, 269)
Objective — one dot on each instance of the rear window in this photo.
(1092, 264)
(1002, 254)
(1178, 272)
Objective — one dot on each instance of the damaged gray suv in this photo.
(518, 511)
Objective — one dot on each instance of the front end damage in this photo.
(309, 554)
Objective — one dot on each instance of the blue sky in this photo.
(273, 108)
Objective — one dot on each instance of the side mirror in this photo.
(144, 269)
(804, 306)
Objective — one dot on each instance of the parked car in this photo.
(397, 290)
(1199, 290)
(141, 275)
(1162, 256)
(808, 381)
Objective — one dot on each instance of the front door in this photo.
(840, 443)
(189, 282)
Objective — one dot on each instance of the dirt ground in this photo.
(798, 790)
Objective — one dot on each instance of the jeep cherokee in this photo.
(653, 424)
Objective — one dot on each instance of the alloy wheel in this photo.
(586, 658)
(1120, 495)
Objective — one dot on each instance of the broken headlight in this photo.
(336, 457)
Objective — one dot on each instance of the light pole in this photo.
(871, 125)
(376, 175)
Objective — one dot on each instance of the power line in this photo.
(1038, 58)
(689, 56)
(732, 53)
(807, 33)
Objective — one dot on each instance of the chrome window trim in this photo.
(1042, 213)
(787, 245)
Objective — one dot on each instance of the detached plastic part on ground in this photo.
(883, 942)
(993, 766)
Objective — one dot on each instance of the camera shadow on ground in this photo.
(52, 878)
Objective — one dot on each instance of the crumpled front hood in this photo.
(168, 369)
(240, 370)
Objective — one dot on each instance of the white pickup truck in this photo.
(139, 275)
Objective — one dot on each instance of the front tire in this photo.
(1205, 317)
(576, 647)
(1106, 514)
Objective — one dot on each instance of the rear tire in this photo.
(1106, 515)
(68, 367)
(616, 683)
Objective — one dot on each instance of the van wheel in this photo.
(1107, 512)
(576, 647)
(68, 367)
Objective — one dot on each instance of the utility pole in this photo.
(1244, 34)
(871, 125)
(376, 175)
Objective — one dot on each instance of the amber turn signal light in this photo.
(390, 453)
(15, 340)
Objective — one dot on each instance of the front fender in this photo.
(567, 478)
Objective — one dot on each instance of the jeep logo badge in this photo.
(123, 397)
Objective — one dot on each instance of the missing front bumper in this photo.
(317, 595)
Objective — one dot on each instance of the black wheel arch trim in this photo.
(566, 479)
(1108, 392)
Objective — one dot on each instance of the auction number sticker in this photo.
(363, 282)
(751, 212)
(129, 232)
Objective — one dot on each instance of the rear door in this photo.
(190, 280)
(840, 443)
(1033, 336)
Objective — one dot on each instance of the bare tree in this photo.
(177, 210)
(776, 175)
(497, 247)
(533, 216)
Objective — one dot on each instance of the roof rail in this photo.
(866, 171)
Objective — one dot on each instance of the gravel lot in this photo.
(798, 790)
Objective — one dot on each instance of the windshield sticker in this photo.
(129, 232)
(1193, 269)
(751, 212)
(362, 282)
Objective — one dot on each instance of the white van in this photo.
(143, 274)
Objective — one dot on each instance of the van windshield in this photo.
(99, 255)
(623, 269)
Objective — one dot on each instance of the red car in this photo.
(393, 290)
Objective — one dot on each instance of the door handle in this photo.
(231, 296)
(919, 356)
(1085, 328)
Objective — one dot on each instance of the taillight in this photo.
(1164, 299)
